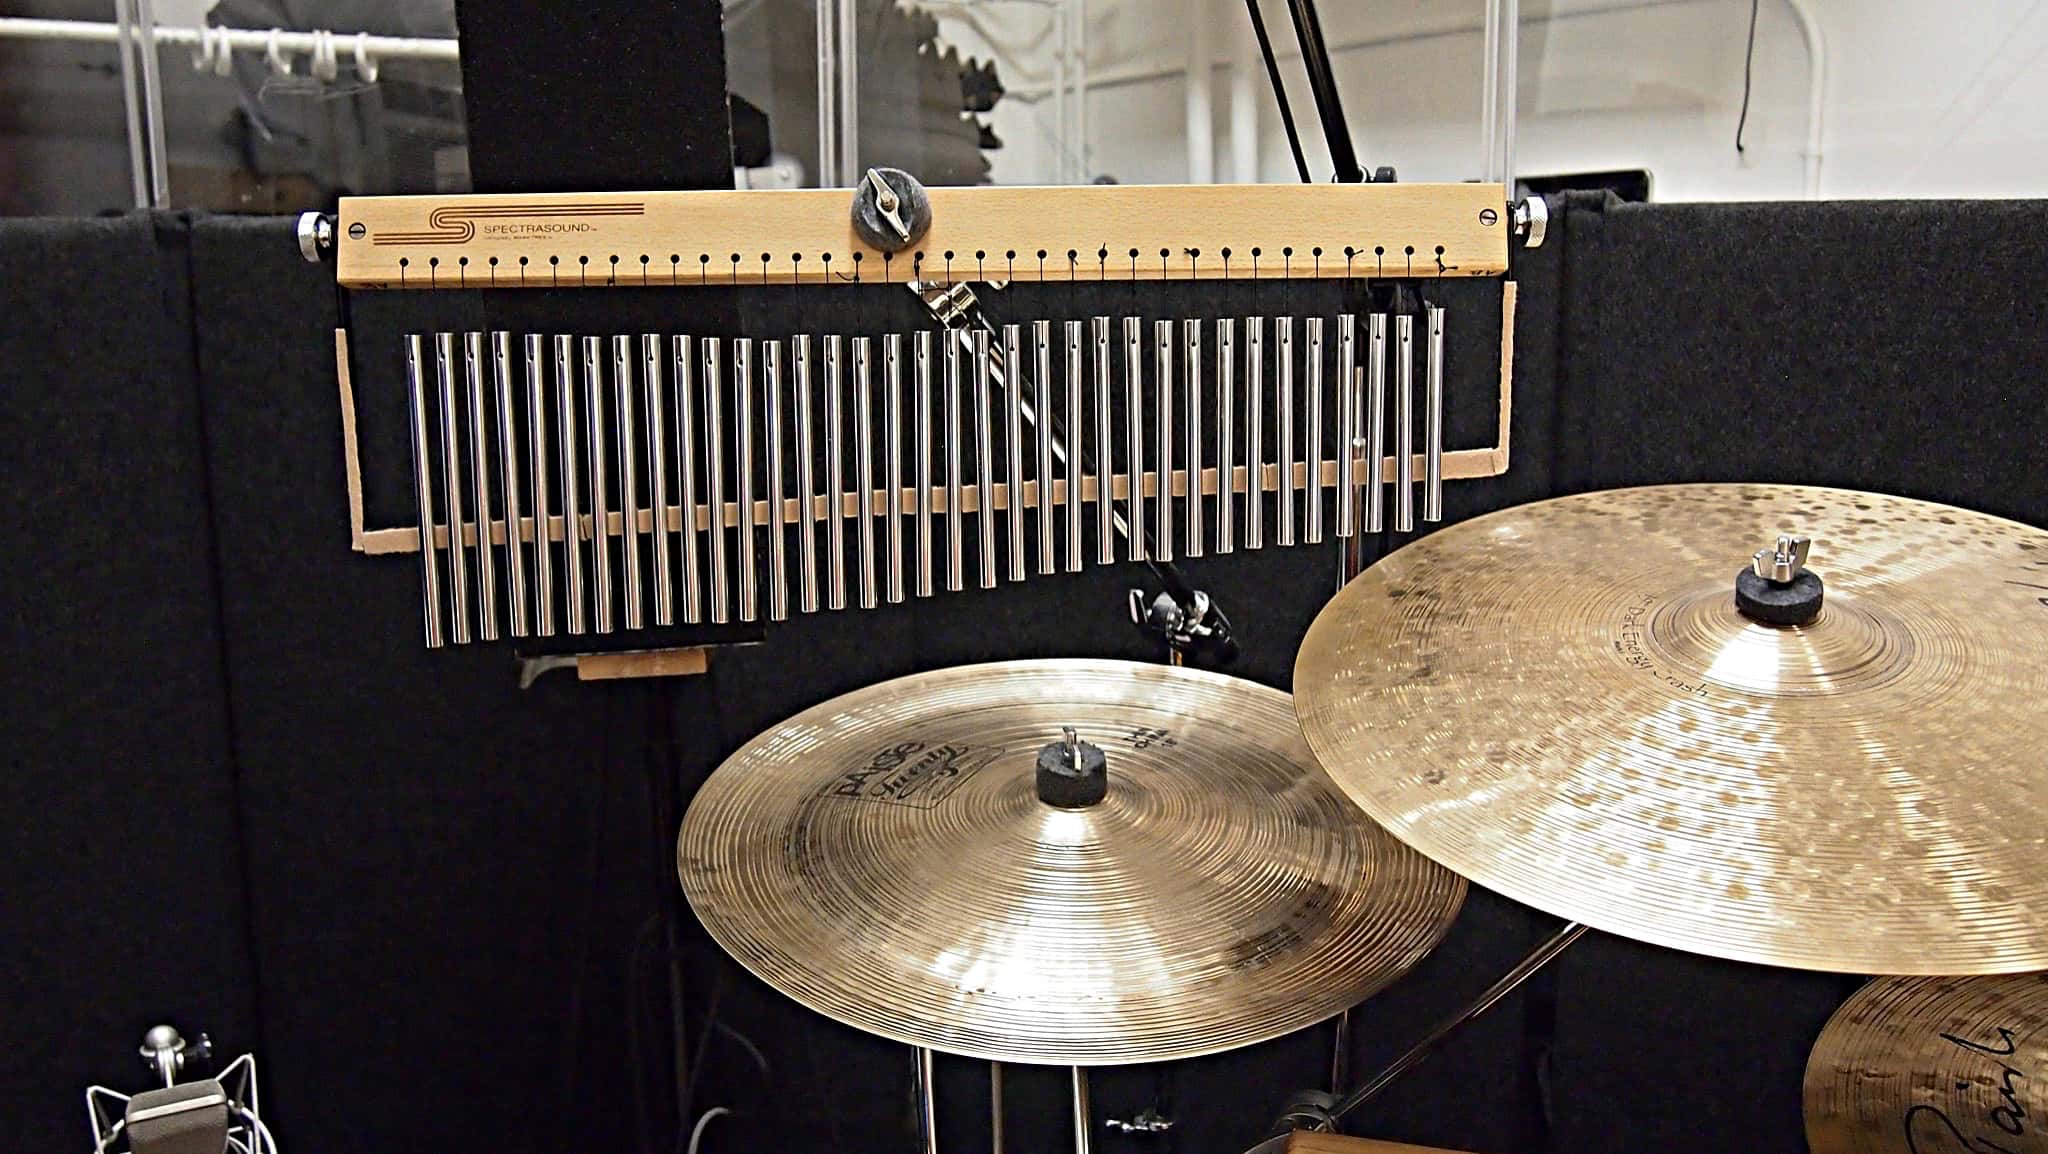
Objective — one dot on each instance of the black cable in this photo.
(1748, 58)
(1322, 84)
(1279, 90)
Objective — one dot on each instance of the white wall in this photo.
(1922, 99)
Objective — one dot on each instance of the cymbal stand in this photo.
(1525, 969)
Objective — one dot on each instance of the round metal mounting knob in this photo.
(891, 211)
(1531, 218)
(316, 236)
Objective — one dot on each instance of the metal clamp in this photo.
(1147, 1121)
(1783, 563)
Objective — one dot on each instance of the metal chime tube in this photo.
(864, 470)
(778, 512)
(508, 477)
(922, 440)
(1134, 438)
(1073, 462)
(572, 472)
(1255, 434)
(1375, 423)
(451, 494)
(1041, 377)
(683, 363)
(627, 422)
(835, 478)
(1347, 427)
(1283, 432)
(1105, 527)
(892, 449)
(1192, 336)
(1404, 423)
(743, 470)
(984, 464)
(656, 392)
(600, 485)
(1433, 422)
(1312, 528)
(480, 486)
(423, 489)
(1162, 532)
(714, 472)
(1013, 445)
(806, 481)
(1226, 435)
(955, 487)
(536, 447)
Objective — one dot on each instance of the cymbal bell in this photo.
(1562, 702)
(886, 860)
(1915, 1065)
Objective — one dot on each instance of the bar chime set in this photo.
(640, 431)
(1052, 862)
(661, 459)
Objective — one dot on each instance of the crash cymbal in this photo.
(1918, 1065)
(885, 859)
(1562, 703)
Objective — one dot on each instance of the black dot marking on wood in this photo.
(434, 262)
(494, 262)
(980, 254)
(464, 262)
(1257, 251)
(705, 258)
(1012, 254)
(404, 262)
(1316, 251)
(1410, 250)
(1379, 250)
(522, 262)
(1287, 251)
(1226, 252)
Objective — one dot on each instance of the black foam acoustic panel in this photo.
(1892, 347)
(122, 848)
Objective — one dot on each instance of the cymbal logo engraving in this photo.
(1628, 644)
(1144, 737)
(2009, 1116)
(912, 773)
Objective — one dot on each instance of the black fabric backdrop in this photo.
(240, 796)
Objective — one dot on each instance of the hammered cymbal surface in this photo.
(883, 859)
(1918, 1065)
(1561, 703)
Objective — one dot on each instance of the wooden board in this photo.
(805, 236)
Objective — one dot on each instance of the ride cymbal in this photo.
(1562, 702)
(1918, 1065)
(885, 859)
